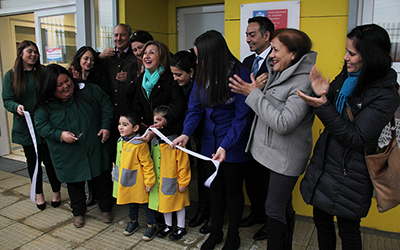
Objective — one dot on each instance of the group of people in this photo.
(255, 118)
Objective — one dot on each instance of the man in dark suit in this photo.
(258, 37)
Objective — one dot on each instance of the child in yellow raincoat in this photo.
(133, 175)
(170, 192)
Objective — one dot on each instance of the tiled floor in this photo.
(23, 226)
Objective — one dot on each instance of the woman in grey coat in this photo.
(281, 136)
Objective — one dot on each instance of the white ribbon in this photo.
(210, 179)
(33, 136)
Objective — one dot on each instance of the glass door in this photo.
(56, 35)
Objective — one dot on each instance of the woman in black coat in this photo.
(337, 182)
(156, 87)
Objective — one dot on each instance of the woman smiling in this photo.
(157, 88)
(281, 138)
(75, 119)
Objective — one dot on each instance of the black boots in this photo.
(206, 228)
(280, 236)
(290, 220)
(262, 234)
(202, 214)
(276, 235)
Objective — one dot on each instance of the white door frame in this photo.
(193, 10)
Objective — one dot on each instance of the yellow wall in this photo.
(159, 17)
(326, 24)
(324, 21)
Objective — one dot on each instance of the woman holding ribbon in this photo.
(75, 119)
(226, 130)
(20, 88)
(156, 87)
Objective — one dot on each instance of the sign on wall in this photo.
(283, 14)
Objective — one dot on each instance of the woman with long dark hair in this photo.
(226, 130)
(20, 88)
(86, 67)
(337, 182)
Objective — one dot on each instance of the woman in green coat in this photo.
(20, 87)
(75, 119)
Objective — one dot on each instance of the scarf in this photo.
(150, 80)
(347, 90)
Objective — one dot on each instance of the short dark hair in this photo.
(132, 117)
(161, 110)
(141, 36)
(373, 44)
(184, 60)
(265, 25)
(295, 40)
(127, 26)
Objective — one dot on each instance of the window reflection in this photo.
(58, 39)
(386, 14)
(103, 24)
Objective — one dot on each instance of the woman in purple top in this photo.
(226, 130)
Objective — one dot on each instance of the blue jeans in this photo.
(134, 213)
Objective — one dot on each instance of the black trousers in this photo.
(256, 178)
(44, 156)
(226, 189)
(102, 186)
(349, 231)
(279, 199)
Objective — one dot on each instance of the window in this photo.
(104, 23)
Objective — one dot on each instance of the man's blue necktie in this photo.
(254, 69)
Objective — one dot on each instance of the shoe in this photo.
(262, 234)
(43, 205)
(206, 228)
(232, 244)
(212, 240)
(78, 221)
(56, 203)
(106, 217)
(178, 233)
(149, 233)
(250, 221)
(131, 227)
(201, 215)
(164, 231)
